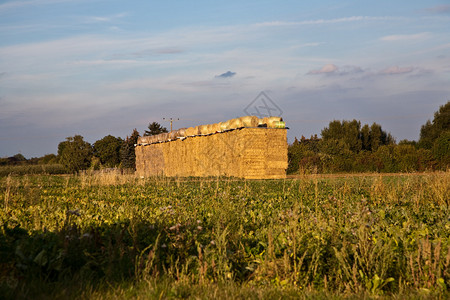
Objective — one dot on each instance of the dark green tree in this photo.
(127, 152)
(441, 150)
(75, 153)
(430, 131)
(154, 129)
(365, 137)
(348, 132)
(47, 159)
(108, 150)
(378, 137)
(355, 137)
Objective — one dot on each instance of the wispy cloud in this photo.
(439, 9)
(327, 69)
(332, 69)
(227, 74)
(406, 37)
(397, 70)
(323, 21)
(21, 4)
(105, 19)
(158, 51)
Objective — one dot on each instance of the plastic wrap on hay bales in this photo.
(249, 121)
(142, 140)
(174, 134)
(182, 132)
(272, 122)
(162, 137)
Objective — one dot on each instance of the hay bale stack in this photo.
(251, 152)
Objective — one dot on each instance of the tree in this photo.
(430, 131)
(355, 137)
(75, 154)
(348, 132)
(154, 129)
(441, 150)
(108, 150)
(127, 152)
(47, 159)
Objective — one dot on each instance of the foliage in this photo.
(346, 147)
(303, 154)
(75, 154)
(17, 159)
(32, 169)
(361, 236)
(127, 152)
(432, 130)
(154, 129)
(47, 159)
(356, 138)
(108, 150)
(441, 149)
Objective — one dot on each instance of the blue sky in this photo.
(105, 67)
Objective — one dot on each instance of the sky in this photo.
(100, 67)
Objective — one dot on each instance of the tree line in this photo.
(75, 154)
(109, 152)
(344, 146)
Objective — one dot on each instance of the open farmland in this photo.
(119, 236)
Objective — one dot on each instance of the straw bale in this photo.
(224, 125)
(153, 139)
(203, 129)
(142, 140)
(235, 123)
(210, 128)
(215, 127)
(191, 131)
(162, 137)
(273, 121)
(182, 132)
(250, 121)
(174, 134)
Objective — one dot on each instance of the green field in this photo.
(118, 236)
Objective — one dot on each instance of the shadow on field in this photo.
(43, 263)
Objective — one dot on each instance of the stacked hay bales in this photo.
(246, 147)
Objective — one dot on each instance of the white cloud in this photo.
(406, 37)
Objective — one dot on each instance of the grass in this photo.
(108, 236)
(32, 169)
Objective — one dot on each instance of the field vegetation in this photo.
(118, 236)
